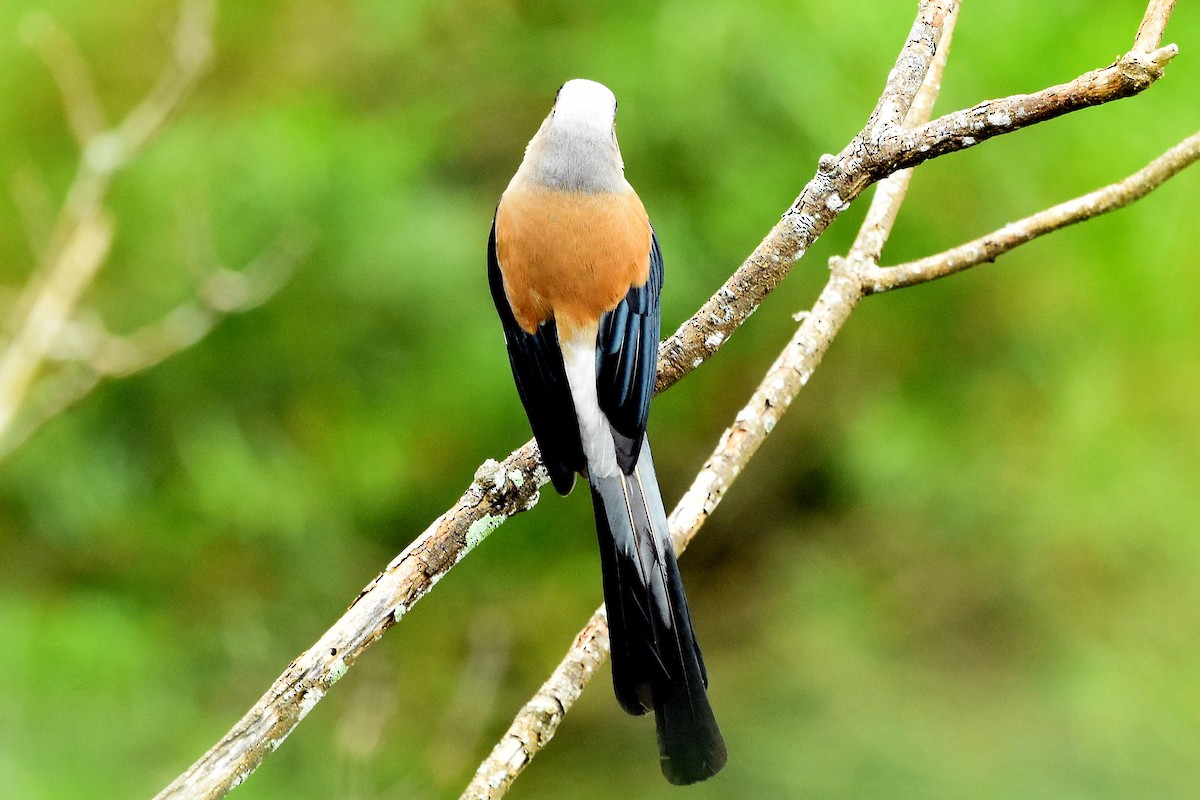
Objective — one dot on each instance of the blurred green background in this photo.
(965, 565)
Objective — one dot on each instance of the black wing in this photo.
(627, 361)
(541, 379)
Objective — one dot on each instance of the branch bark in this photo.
(1154, 25)
(501, 489)
(991, 246)
(838, 181)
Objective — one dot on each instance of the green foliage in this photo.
(964, 565)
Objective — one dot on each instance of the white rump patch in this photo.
(579, 357)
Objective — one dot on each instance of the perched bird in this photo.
(575, 272)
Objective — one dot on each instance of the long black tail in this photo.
(656, 662)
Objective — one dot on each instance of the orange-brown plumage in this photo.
(570, 256)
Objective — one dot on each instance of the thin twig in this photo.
(91, 354)
(82, 234)
(74, 269)
(70, 71)
(191, 55)
(991, 246)
(1154, 24)
(1130, 75)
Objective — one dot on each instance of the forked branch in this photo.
(889, 142)
(54, 355)
(850, 280)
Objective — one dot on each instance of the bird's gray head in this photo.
(576, 147)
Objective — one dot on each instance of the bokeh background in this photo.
(964, 566)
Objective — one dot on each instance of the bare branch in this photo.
(1131, 74)
(838, 181)
(49, 397)
(82, 234)
(70, 72)
(76, 265)
(498, 491)
(907, 77)
(1154, 24)
(989, 247)
(93, 354)
(879, 150)
(890, 192)
(192, 52)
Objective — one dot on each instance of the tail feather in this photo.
(656, 662)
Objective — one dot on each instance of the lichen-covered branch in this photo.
(890, 192)
(1131, 74)
(500, 489)
(885, 146)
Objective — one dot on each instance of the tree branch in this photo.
(505, 488)
(1131, 74)
(74, 267)
(838, 181)
(990, 246)
(73, 244)
(1154, 24)
(890, 192)
(498, 491)
(90, 353)
(83, 231)
(69, 70)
